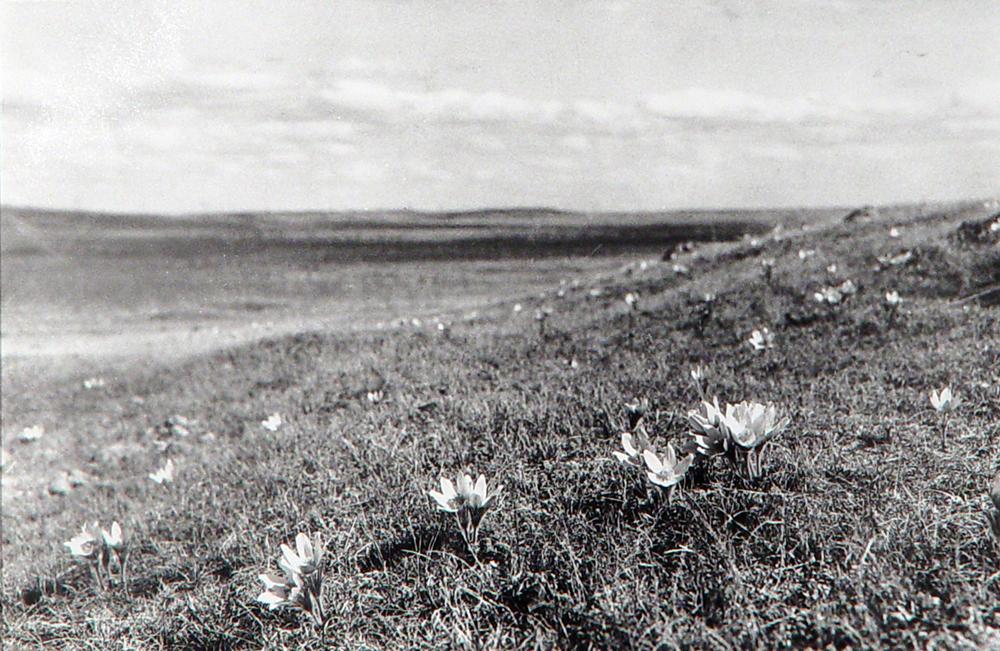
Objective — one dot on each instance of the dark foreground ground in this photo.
(867, 529)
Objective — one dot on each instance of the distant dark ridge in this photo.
(497, 212)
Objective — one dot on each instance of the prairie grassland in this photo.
(867, 528)
(79, 287)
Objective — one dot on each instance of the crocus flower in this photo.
(302, 584)
(634, 443)
(892, 298)
(32, 433)
(666, 472)
(945, 401)
(635, 411)
(806, 253)
(447, 498)
(751, 424)
(305, 558)
(895, 260)
(87, 543)
(709, 438)
(276, 590)
(113, 538)
(761, 339)
(476, 495)
(828, 295)
(272, 422)
(893, 232)
(632, 300)
(706, 417)
(847, 288)
(164, 475)
(468, 501)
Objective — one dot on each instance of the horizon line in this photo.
(483, 209)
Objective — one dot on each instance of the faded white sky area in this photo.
(590, 105)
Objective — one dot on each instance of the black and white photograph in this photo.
(519, 324)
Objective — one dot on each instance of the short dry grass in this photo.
(867, 530)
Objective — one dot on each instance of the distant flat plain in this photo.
(81, 291)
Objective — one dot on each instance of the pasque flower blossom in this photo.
(468, 501)
(945, 401)
(761, 339)
(634, 443)
(667, 471)
(301, 583)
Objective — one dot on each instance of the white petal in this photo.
(291, 558)
(671, 457)
(464, 486)
(447, 488)
(271, 599)
(652, 461)
(443, 501)
(627, 444)
(271, 581)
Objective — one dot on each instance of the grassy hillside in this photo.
(867, 528)
(106, 285)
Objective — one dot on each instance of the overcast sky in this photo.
(591, 105)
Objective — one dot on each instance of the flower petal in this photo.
(652, 461)
(304, 547)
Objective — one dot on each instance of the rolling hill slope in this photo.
(867, 528)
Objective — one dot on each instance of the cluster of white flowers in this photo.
(300, 584)
(665, 471)
(29, 434)
(94, 383)
(272, 423)
(761, 339)
(102, 549)
(836, 295)
(739, 432)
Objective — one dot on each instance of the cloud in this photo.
(707, 108)
(737, 106)
(451, 105)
